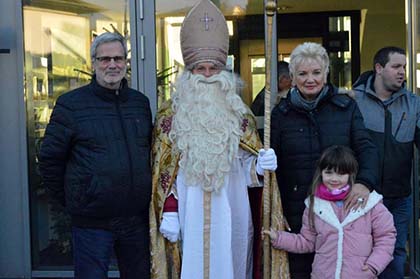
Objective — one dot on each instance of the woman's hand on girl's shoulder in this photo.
(357, 197)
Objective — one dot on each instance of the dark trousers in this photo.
(300, 265)
(400, 209)
(93, 248)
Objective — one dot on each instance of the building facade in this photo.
(44, 52)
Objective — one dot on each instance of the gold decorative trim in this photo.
(206, 234)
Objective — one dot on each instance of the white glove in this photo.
(267, 160)
(169, 227)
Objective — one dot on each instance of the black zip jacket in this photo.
(95, 156)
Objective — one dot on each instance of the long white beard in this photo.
(206, 127)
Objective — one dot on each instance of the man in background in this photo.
(284, 83)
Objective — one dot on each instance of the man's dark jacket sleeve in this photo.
(55, 148)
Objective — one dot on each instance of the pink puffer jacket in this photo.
(344, 243)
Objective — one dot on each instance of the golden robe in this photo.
(166, 256)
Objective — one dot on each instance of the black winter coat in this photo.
(299, 137)
(95, 156)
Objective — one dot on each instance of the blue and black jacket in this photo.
(394, 126)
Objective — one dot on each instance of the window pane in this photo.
(258, 75)
(57, 38)
(339, 45)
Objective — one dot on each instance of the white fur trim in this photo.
(324, 210)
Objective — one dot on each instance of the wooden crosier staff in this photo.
(270, 9)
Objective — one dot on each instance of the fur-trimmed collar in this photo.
(324, 210)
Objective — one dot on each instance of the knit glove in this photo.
(169, 227)
(267, 160)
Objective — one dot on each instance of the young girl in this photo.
(354, 244)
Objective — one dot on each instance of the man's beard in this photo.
(206, 127)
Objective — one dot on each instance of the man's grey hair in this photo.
(309, 51)
(107, 37)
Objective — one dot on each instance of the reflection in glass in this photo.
(339, 46)
(169, 60)
(258, 75)
(57, 38)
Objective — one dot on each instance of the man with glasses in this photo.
(206, 161)
(95, 161)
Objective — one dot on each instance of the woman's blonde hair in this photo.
(309, 51)
(338, 158)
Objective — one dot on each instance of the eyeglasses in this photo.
(107, 59)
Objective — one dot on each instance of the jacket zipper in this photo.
(127, 147)
(399, 124)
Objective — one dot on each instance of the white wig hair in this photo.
(309, 51)
(206, 126)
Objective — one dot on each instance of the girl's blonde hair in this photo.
(338, 158)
